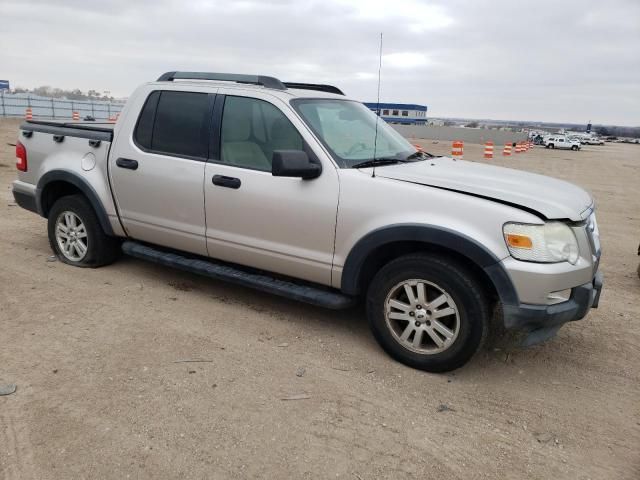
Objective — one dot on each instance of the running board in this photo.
(301, 292)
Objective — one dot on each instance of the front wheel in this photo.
(75, 234)
(427, 312)
(574, 148)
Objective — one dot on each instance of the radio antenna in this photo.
(375, 138)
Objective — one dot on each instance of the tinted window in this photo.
(178, 126)
(252, 130)
(144, 128)
(405, 113)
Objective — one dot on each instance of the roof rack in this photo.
(268, 82)
(314, 86)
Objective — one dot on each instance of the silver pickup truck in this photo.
(296, 190)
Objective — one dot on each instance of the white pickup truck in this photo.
(296, 190)
(562, 142)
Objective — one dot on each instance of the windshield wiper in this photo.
(377, 162)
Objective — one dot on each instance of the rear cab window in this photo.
(175, 123)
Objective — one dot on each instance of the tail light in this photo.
(21, 157)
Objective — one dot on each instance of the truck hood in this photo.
(549, 197)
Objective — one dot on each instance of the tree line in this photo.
(75, 94)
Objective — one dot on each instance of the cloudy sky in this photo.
(504, 59)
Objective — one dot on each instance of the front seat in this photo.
(284, 136)
(237, 149)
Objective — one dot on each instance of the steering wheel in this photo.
(356, 148)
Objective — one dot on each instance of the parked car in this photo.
(593, 141)
(561, 141)
(295, 189)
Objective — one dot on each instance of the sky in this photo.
(558, 61)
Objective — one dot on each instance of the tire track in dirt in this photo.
(16, 461)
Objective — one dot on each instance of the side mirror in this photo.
(294, 163)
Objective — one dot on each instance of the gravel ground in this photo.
(101, 392)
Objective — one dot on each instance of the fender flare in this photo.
(432, 235)
(82, 185)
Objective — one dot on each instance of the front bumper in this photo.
(541, 322)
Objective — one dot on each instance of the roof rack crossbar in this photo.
(268, 82)
(314, 86)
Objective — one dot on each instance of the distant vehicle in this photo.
(593, 141)
(538, 140)
(272, 185)
(561, 141)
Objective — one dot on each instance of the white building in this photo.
(404, 113)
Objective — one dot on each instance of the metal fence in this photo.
(15, 105)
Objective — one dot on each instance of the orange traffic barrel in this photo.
(75, 116)
(488, 149)
(457, 149)
(28, 114)
(507, 150)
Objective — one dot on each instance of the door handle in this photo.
(127, 163)
(229, 182)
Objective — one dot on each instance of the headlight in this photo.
(552, 242)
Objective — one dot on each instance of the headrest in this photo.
(236, 124)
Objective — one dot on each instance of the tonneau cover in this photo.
(90, 130)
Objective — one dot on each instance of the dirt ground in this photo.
(101, 394)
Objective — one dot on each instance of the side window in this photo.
(174, 123)
(405, 113)
(385, 112)
(144, 128)
(395, 112)
(252, 130)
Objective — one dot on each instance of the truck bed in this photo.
(90, 130)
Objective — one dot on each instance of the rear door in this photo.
(157, 170)
(283, 225)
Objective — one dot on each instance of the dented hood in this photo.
(550, 197)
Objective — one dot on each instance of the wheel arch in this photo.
(58, 183)
(379, 247)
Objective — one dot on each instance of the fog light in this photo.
(559, 296)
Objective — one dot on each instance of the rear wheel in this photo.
(75, 234)
(574, 147)
(427, 312)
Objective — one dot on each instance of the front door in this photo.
(283, 225)
(157, 173)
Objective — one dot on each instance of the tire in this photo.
(93, 248)
(574, 148)
(466, 329)
(546, 146)
(552, 146)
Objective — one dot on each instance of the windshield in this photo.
(348, 130)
